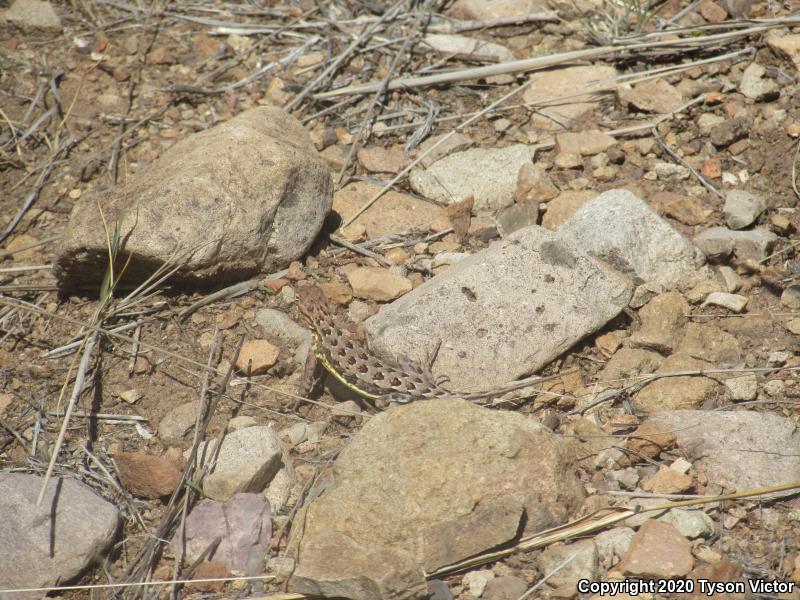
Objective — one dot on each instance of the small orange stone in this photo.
(295, 272)
(711, 168)
(275, 285)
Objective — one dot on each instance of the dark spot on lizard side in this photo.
(471, 296)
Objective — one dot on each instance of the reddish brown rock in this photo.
(160, 56)
(147, 475)
(712, 12)
(650, 439)
(668, 481)
(657, 550)
(723, 571)
(256, 357)
(382, 160)
(655, 96)
(682, 208)
(210, 570)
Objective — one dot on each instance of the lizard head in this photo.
(311, 301)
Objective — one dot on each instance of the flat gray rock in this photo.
(719, 242)
(487, 174)
(246, 196)
(53, 542)
(427, 484)
(514, 306)
(243, 525)
(621, 229)
(739, 450)
(742, 209)
(449, 44)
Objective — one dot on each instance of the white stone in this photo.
(475, 581)
(248, 460)
(742, 388)
(778, 358)
(459, 44)
(732, 302)
(681, 465)
(730, 278)
(622, 230)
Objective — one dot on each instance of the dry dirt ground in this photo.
(122, 82)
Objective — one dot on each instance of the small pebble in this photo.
(296, 434)
(743, 388)
(791, 296)
(568, 160)
(732, 302)
(778, 359)
(476, 581)
(681, 465)
(774, 387)
(730, 279)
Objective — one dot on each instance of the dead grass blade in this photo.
(596, 521)
(542, 62)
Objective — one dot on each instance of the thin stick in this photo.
(102, 416)
(546, 16)
(105, 586)
(367, 122)
(37, 188)
(706, 184)
(52, 238)
(360, 250)
(77, 388)
(26, 269)
(532, 64)
(334, 66)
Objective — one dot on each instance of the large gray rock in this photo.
(488, 175)
(53, 542)
(739, 450)
(625, 232)
(516, 306)
(246, 196)
(428, 484)
(30, 15)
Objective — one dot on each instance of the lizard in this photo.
(351, 362)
